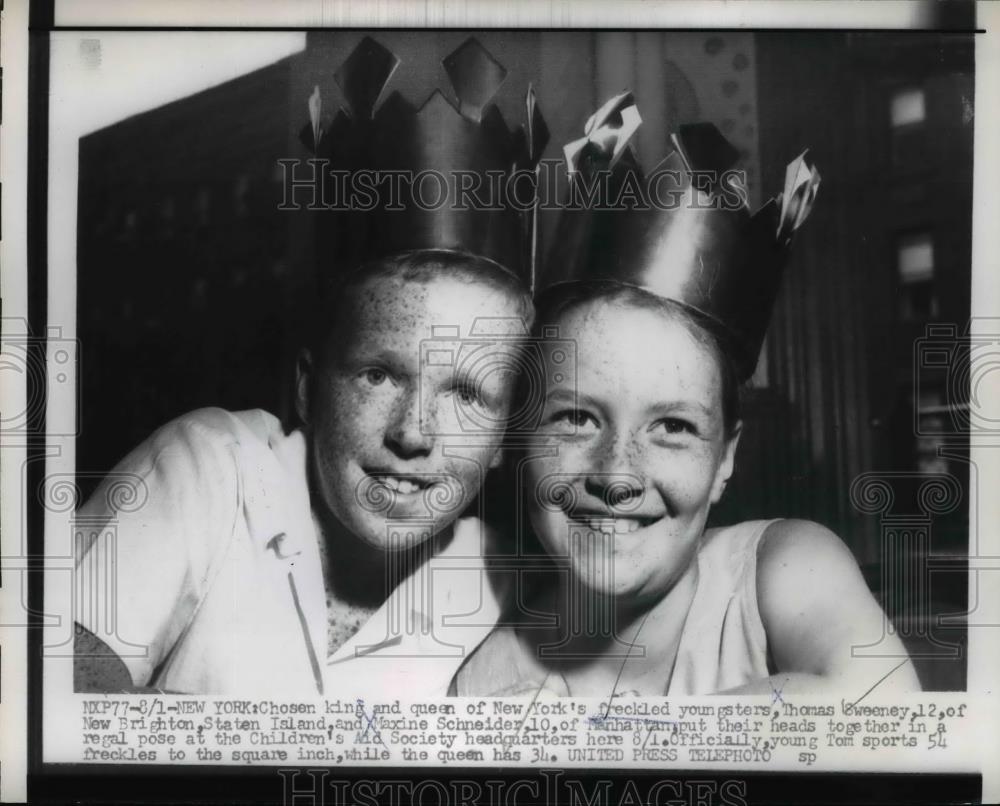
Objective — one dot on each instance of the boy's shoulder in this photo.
(207, 436)
(200, 453)
(216, 425)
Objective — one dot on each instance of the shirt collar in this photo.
(276, 495)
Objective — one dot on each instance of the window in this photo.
(915, 272)
(907, 107)
(915, 258)
(907, 115)
(933, 414)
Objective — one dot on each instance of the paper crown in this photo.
(682, 231)
(449, 146)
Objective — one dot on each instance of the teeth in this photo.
(618, 526)
(398, 485)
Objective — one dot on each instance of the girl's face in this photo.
(636, 449)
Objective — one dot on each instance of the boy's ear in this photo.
(303, 383)
(727, 464)
(497, 459)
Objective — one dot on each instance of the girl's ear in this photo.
(725, 471)
(303, 383)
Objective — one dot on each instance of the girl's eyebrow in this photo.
(564, 395)
(681, 406)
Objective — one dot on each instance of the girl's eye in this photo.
(375, 376)
(674, 426)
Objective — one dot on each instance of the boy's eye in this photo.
(468, 395)
(375, 375)
(577, 419)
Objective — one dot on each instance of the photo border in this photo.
(50, 781)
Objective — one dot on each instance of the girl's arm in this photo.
(816, 607)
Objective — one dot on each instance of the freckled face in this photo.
(641, 451)
(397, 432)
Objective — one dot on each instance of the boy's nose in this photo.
(405, 437)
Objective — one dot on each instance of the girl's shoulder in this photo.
(816, 608)
(775, 556)
(499, 667)
(804, 566)
(794, 543)
(779, 539)
(733, 546)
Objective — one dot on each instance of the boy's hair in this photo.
(563, 299)
(417, 266)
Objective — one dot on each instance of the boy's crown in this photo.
(683, 230)
(458, 154)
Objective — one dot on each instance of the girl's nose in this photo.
(616, 490)
(613, 475)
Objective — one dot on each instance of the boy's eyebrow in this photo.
(572, 397)
(355, 355)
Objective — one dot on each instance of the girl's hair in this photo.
(560, 300)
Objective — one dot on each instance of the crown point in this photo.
(607, 134)
(801, 185)
(306, 137)
(496, 126)
(475, 76)
(538, 131)
(315, 113)
(436, 105)
(395, 109)
(705, 149)
(519, 148)
(669, 177)
(364, 75)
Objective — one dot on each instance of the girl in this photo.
(639, 443)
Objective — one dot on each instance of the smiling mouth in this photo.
(402, 485)
(617, 526)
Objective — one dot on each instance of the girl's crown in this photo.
(431, 172)
(682, 231)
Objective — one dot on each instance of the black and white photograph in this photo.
(567, 408)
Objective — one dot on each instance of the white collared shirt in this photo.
(217, 586)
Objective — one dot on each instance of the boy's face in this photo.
(637, 451)
(401, 436)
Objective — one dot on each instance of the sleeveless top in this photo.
(722, 643)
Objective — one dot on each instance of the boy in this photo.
(252, 561)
